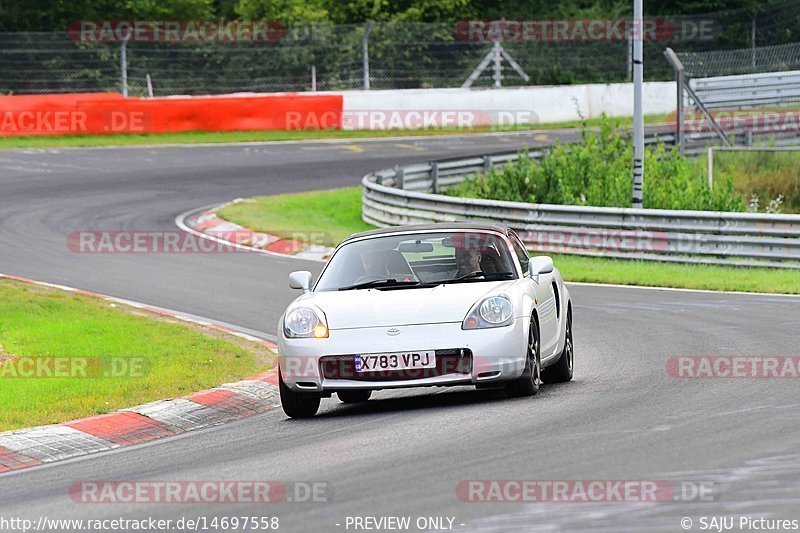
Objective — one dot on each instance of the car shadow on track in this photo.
(454, 398)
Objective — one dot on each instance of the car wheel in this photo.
(354, 396)
(297, 404)
(530, 380)
(562, 371)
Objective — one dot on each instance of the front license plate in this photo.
(395, 361)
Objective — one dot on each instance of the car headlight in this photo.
(491, 312)
(305, 322)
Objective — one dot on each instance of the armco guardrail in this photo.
(407, 194)
(747, 91)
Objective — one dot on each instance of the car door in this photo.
(547, 299)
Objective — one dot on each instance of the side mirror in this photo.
(541, 264)
(300, 279)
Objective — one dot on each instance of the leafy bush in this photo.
(596, 171)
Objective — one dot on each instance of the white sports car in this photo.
(425, 305)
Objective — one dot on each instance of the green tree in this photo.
(288, 12)
(355, 11)
(56, 15)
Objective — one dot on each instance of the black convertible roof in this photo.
(413, 228)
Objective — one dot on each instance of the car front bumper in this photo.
(474, 356)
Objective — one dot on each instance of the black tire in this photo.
(354, 396)
(297, 404)
(530, 380)
(562, 371)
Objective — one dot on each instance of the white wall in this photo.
(492, 106)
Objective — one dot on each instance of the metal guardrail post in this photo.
(435, 177)
(487, 163)
(677, 66)
(123, 64)
(629, 41)
(365, 54)
(706, 113)
(710, 167)
(497, 70)
(399, 177)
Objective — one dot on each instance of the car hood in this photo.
(399, 307)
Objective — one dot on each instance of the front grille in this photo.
(455, 361)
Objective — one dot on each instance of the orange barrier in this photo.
(110, 113)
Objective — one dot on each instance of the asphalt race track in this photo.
(404, 453)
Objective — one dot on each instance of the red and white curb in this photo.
(206, 223)
(29, 447)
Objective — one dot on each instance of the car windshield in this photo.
(418, 260)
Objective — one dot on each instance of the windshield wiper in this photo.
(379, 283)
(473, 276)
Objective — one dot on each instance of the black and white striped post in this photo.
(638, 118)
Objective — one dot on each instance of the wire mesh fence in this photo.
(745, 97)
(32, 63)
(741, 61)
(399, 56)
(395, 55)
(52, 63)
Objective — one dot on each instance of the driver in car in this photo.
(468, 260)
(389, 264)
(374, 264)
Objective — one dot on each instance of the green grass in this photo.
(324, 217)
(178, 359)
(707, 277)
(338, 214)
(262, 136)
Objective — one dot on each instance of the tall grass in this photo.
(597, 172)
(766, 175)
